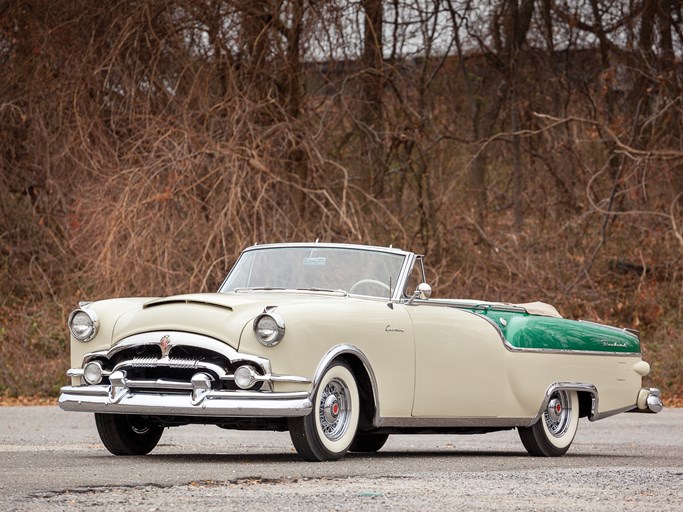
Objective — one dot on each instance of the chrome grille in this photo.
(151, 362)
(154, 359)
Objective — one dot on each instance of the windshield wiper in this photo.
(258, 289)
(313, 289)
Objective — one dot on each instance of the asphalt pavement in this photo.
(53, 460)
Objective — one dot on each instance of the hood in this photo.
(222, 316)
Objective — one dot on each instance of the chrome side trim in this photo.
(287, 378)
(212, 403)
(607, 414)
(484, 422)
(571, 352)
(337, 351)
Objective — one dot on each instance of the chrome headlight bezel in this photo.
(91, 331)
(93, 372)
(245, 377)
(269, 328)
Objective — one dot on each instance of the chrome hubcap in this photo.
(557, 415)
(334, 409)
(331, 409)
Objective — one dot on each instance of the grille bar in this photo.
(158, 384)
(179, 364)
(151, 362)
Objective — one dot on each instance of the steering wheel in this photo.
(362, 282)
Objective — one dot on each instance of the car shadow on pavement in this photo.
(210, 458)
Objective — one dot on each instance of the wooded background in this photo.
(531, 149)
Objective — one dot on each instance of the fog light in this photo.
(245, 376)
(92, 373)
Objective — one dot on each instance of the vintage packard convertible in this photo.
(342, 345)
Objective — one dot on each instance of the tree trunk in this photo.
(371, 115)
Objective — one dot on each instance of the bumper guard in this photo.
(649, 400)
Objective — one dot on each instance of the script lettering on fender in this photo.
(389, 328)
(614, 343)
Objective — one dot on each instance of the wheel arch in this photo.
(365, 377)
(587, 394)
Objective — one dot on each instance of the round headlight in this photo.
(83, 324)
(269, 328)
(92, 372)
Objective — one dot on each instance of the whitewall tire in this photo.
(553, 433)
(327, 433)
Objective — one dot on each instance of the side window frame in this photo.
(418, 265)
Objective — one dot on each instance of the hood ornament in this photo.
(165, 345)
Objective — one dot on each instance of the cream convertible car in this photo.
(342, 345)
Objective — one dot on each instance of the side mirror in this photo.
(423, 292)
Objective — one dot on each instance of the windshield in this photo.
(359, 271)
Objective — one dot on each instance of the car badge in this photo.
(614, 344)
(165, 345)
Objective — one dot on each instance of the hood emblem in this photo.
(165, 345)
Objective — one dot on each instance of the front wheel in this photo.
(554, 431)
(327, 433)
(124, 434)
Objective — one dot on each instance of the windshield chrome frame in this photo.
(396, 288)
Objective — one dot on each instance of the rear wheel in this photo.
(124, 434)
(368, 443)
(327, 433)
(554, 431)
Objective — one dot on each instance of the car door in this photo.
(459, 370)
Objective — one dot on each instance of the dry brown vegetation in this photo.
(533, 152)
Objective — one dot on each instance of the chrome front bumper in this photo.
(210, 403)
